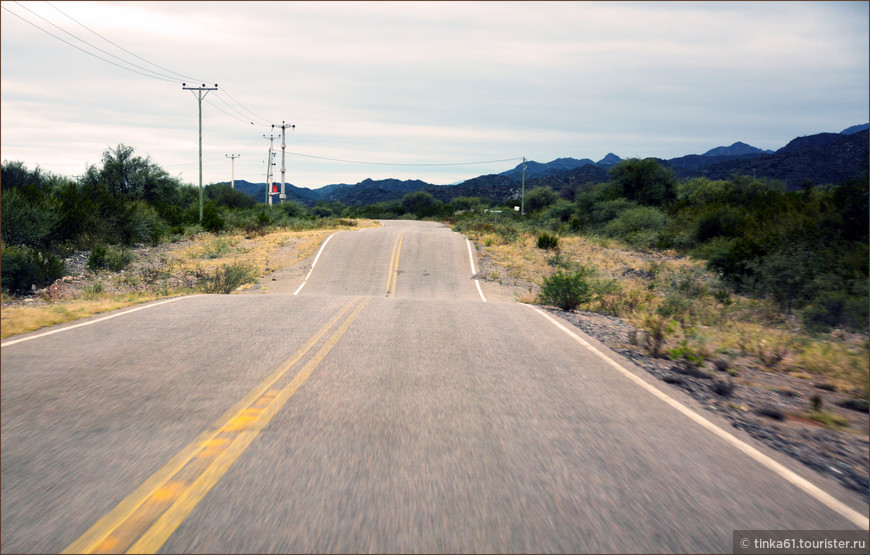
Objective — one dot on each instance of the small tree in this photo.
(419, 203)
(644, 181)
(540, 198)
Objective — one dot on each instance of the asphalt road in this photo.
(385, 407)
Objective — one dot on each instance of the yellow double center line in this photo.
(143, 521)
(393, 276)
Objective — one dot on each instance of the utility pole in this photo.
(199, 96)
(523, 201)
(233, 158)
(283, 127)
(269, 165)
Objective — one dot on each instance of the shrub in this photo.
(835, 308)
(211, 219)
(24, 267)
(226, 279)
(25, 221)
(144, 225)
(860, 405)
(97, 258)
(113, 259)
(639, 226)
(547, 241)
(540, 198)
(658, 329)
(567, 290)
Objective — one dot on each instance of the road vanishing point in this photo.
(377, 401)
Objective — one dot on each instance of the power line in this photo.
(243, 116)
(121, 47)
(151, 73)
(256, 116)
(83, 50)
(156, 75)
(405, 165)
(219, 109)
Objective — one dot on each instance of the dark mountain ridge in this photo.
(812, 159)
(815, 159)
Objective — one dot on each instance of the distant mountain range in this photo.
(812, 159)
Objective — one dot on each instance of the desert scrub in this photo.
(565, 289)
(226, 279)
(26, 267)
(843, 364)
(547, 241)
(219, 247)
(110, 258)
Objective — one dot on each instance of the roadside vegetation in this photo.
(733, 271)
(736, 272)
(123, 206)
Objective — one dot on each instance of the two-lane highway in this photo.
(384, 407)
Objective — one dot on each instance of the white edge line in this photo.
(797, 480)
(89, 322)
(313, 264)
(473, 271)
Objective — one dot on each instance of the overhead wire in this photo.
(187, 77)
(256, 116)
(263, 122)
(150, 72)
(246, 120)
(156, 75)
(82, 49)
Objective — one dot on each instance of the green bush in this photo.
(834, 308)
(211, 219)
(113, 258)
(540, 198)
(567, 290)
(97, 258)
(547, 241)
(226, 279)
(24, 267)
(144, 225)
(638, 226)
(28, 222)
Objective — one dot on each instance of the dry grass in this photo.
(23, 319)
(674, 300)
(208, 254)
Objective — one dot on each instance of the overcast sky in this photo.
(422, 83)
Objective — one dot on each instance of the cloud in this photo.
(439, 82)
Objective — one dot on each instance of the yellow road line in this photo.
(207, 446)
(393, 276)
(157, 535)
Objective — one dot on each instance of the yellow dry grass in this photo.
(208, 253)
(749, 329)
(15, 320)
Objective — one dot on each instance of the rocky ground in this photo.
(149, 269)
(770, 406)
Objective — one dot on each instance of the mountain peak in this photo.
(610, 160)
(737, 149)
